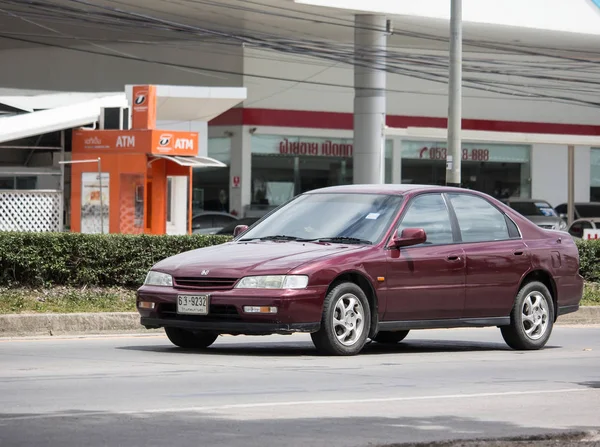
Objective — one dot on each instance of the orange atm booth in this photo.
(137, 180)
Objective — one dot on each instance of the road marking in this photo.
(83, 413)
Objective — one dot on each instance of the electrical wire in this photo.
(394, 63)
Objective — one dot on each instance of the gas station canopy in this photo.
(188, 103)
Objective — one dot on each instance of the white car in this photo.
(577, 228)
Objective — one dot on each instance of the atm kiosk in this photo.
(138, 180)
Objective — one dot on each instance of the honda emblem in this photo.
(204, 272)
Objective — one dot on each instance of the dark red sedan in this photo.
(352, 263)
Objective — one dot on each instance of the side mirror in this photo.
(239, 230)
(408, 237)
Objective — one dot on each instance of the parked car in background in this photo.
(209, 222)
(228, 229)
(580, 225)
(582, 210)
(357, 262)
(539, 212)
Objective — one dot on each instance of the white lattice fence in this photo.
(30, 211)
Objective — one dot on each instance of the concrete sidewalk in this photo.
(27, 325)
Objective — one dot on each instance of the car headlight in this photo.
(273, 282)
(562, 226)
(158, 279)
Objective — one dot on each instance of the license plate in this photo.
(192, 304)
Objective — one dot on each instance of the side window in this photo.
(478, 219)
(429, 211)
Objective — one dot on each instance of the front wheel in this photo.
(531, 319)
(190, 340)
(345, 323)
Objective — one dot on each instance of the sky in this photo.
(575, 16)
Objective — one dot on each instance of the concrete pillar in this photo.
(369, 99)
(240, 194)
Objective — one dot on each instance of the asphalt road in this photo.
(275, 391)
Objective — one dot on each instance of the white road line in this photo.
(218, 408)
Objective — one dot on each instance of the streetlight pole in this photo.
(454, 151)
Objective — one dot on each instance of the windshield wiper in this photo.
(276, 237)
(342, 239)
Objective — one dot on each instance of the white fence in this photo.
(31, 210)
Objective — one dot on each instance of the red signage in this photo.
(324, 149)
(235, 181)
(439, 153)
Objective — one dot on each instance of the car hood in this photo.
(235, 260)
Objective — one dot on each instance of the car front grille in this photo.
(206, 284)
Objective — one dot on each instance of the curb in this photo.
(26, 325)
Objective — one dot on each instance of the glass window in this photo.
(478, 219)
(332, 215)
(26, 182)
(595, 174)
(210, 188)
(7, 183)
(589, 210)
(499, 170)
(533, 208)
(429, 211)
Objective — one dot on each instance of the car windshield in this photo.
(533, 208)
(343, 217)
(589, 210)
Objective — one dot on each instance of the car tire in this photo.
(531, 318)
(190, 340)
(345, 323)
(387, 337)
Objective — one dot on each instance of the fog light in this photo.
(146, 305)
(260, 309)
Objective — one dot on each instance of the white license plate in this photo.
(192, 304)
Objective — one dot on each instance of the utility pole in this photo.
(454, 151)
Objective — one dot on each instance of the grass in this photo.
(66, 300)
(591, 294)
(72, 300)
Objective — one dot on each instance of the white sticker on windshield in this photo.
(372, 216)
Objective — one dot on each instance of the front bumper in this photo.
(297, 310)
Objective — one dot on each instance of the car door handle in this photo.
(518, 253)
(454, 258)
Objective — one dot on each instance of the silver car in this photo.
(539, 212)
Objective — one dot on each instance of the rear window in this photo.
(533, 208)
(588, 210)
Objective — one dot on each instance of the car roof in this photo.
(391, 189)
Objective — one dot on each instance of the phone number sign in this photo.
(437, 151)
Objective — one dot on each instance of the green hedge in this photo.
(589, 260)
(72, 259)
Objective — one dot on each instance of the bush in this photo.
(589, 260)
(73, 259)
(117, 260)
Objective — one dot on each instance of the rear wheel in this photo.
(190, 340)
(390, 337)
(531, 319)
(345, 323)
